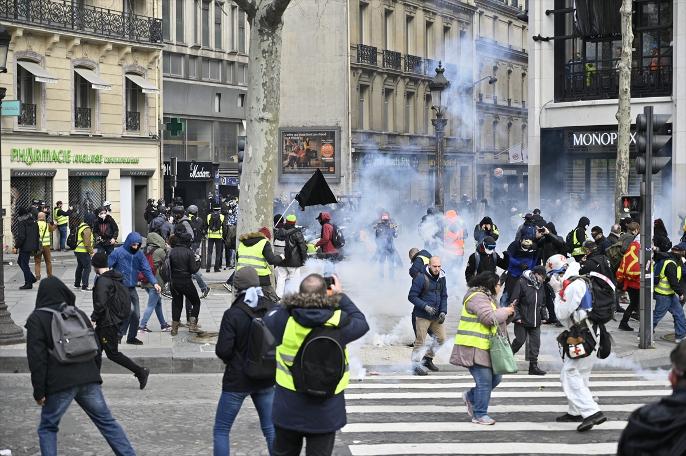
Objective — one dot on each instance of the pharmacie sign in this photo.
(29, 156)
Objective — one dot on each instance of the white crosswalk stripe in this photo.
(408, 415)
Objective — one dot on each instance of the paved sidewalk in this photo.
(384, 348)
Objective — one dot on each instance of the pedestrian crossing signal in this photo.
(631, 206)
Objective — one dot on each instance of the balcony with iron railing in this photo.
(430, 66)
(413, 64)
(392, 60)
(27, 116)
(86, 19)
(366, 54)
(82, 118)
(133, 121)
(589, 83)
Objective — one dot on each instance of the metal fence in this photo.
(86, 193)
(26, 189)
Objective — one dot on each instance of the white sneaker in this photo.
(484, 420)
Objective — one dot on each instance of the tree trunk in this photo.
(624, 110)
(262, 121)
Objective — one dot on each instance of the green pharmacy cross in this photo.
(174, 126)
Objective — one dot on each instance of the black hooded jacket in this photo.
(597, 262)
(551, 244)
(26, 234)
(487, 262)
(48, 376)
(656, 429)
(480, 233)
(103, 292)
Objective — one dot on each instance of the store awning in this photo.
(38, 72)
(143, 83)
(96, 82)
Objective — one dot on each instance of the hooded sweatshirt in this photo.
(418, 264)
(156, 245)
(480, 233)
(531, 299)
(325, 240)
(130, 263)
(298, 411)
(103, 291)
(48, 376)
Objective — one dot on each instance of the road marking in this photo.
(505, 377)
(483, 448)
(562, 408)
(597, 384)
(508, 394)
(468, 426)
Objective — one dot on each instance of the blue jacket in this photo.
(520, 260)
(298, 411)
(129, 264)
(417, 263)
(435, 296)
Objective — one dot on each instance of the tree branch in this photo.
(275, 11)
(249, 6)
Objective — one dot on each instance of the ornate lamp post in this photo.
(10, 333)
(437, 85)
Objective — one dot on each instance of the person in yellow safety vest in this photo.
(254, 249)
(296, 414)
(83, 253)
(480, 319)
(215, 238)
(44, 230)
(453, 240)
(669, 296)
(61, 218)
(576, 237)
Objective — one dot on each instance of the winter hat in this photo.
(489, 242)
(99, 260)
(589, 245)
(246, 277)
(290, 218)
(264, 230)
(540, 270)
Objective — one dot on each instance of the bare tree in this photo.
(624, 109)
(262, 112)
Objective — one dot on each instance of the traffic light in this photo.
(654, 133)
(631, 206)
(241, 153)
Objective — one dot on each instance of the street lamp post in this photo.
(491, 80)
(437, 85)
(10, 333)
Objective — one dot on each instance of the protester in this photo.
(575, 239)
(660, 236)
(480, 314)
(429, 296)
(159, 224)
(129, 260)
(576, 372)
(629, 276)
(669, 296)
(254, 249)
(156, 249)
(232, 348)
(595, 260)
(83, 252)
(528, 299)
(199, 229)
(55, 384)
(615, 232)
(298, 415)
(485, 259)
(110, 296)
(454, 237)
(420, 260)
(26, 242)
(521, 256)
(327, 250)
(61, 219)
(295, 255)
(215, 233)
(385, 233)
(600, 240)
(106, 231)
(183, 264)
(44, 230)
(657, 429)
(485, 228)
(431, 229)
(549, 242)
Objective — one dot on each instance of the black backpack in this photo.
(259, 358)
(602, 297)
(320, 362)
(71, 240)
(119, 304)
(215, 222)
(165, 270)
(73, 340)
(337, 239)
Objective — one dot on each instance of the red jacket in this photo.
(629, 271)
(327, 235)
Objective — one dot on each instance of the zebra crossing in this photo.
(409, 415)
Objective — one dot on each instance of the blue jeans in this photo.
(480, 395)
(671, 304)
(23, 262)
(132, 321)
(90, 399)
(227, 409)
(154, 303)
(200, 281)
(63, 236)
(504, 298)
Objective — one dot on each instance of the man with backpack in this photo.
(484, 259)
(329, 241)
(575, 239)
(155, 253)
(58, 380)
(129, 260)
(247, 348)
(26, 242)
(111, 306)
(215, 234)
(295, 253)
(255, 249)
(312, 330)
(669, 296)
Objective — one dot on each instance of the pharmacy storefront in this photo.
(82, 173)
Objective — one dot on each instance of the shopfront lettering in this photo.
(29, 156)
(199, 172)
(599, 138)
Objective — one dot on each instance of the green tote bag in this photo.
(502, 358)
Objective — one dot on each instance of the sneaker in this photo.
(419, 370)
(470, 409)
(165, 328)
(593, 420)
(86, 289)
(143, 377)
(134, 341)
(77, 286)
(484, 420)
(228, 287)
(568, 418)
(205, 293)
(26, 286)
(144, 329)
(625, 327)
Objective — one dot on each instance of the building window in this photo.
(83, 98)
(429, 47)
(409, 112)
(241, 31)
(217, 102)
(166, 20)
(240, 100)
(172, 64)
(196, 21)
(388, 29)
(26, 84)
(363, 107)
(205, 24)
(231, 27)
(363, 23)
(211, 70)
(242, 74)
(134, 103)
(193, 67)
(230, 72)
(388, 110)
(218, 25)
(446, 42)
(409, 35)
(179, 21)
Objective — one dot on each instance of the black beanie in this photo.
(99, 260)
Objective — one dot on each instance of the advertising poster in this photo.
(302, 151)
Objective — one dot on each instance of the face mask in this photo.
(102, 216)
(488, 251)
(135, 249)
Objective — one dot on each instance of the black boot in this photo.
(534, 369)
(429, 364)
(593, 420)
(624, 326)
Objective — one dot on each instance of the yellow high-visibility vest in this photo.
(60, 219)
(293, 337)
(252, 256)
(663, 287)
(425, 259)
(471, 332)
(43, 232)
(578, 248)
(214, 234)
(80, 245)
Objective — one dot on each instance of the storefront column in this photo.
(126, 205)
(113, 196)
(60, 192)
(679, 113)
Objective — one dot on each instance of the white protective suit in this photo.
(576, 373)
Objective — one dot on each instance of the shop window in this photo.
(27, 93)
(86, 194)
(199, 140)
(174, 146)
(134, 104)
(25, 189)
(225, 143)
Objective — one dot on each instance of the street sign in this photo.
(11, 108)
